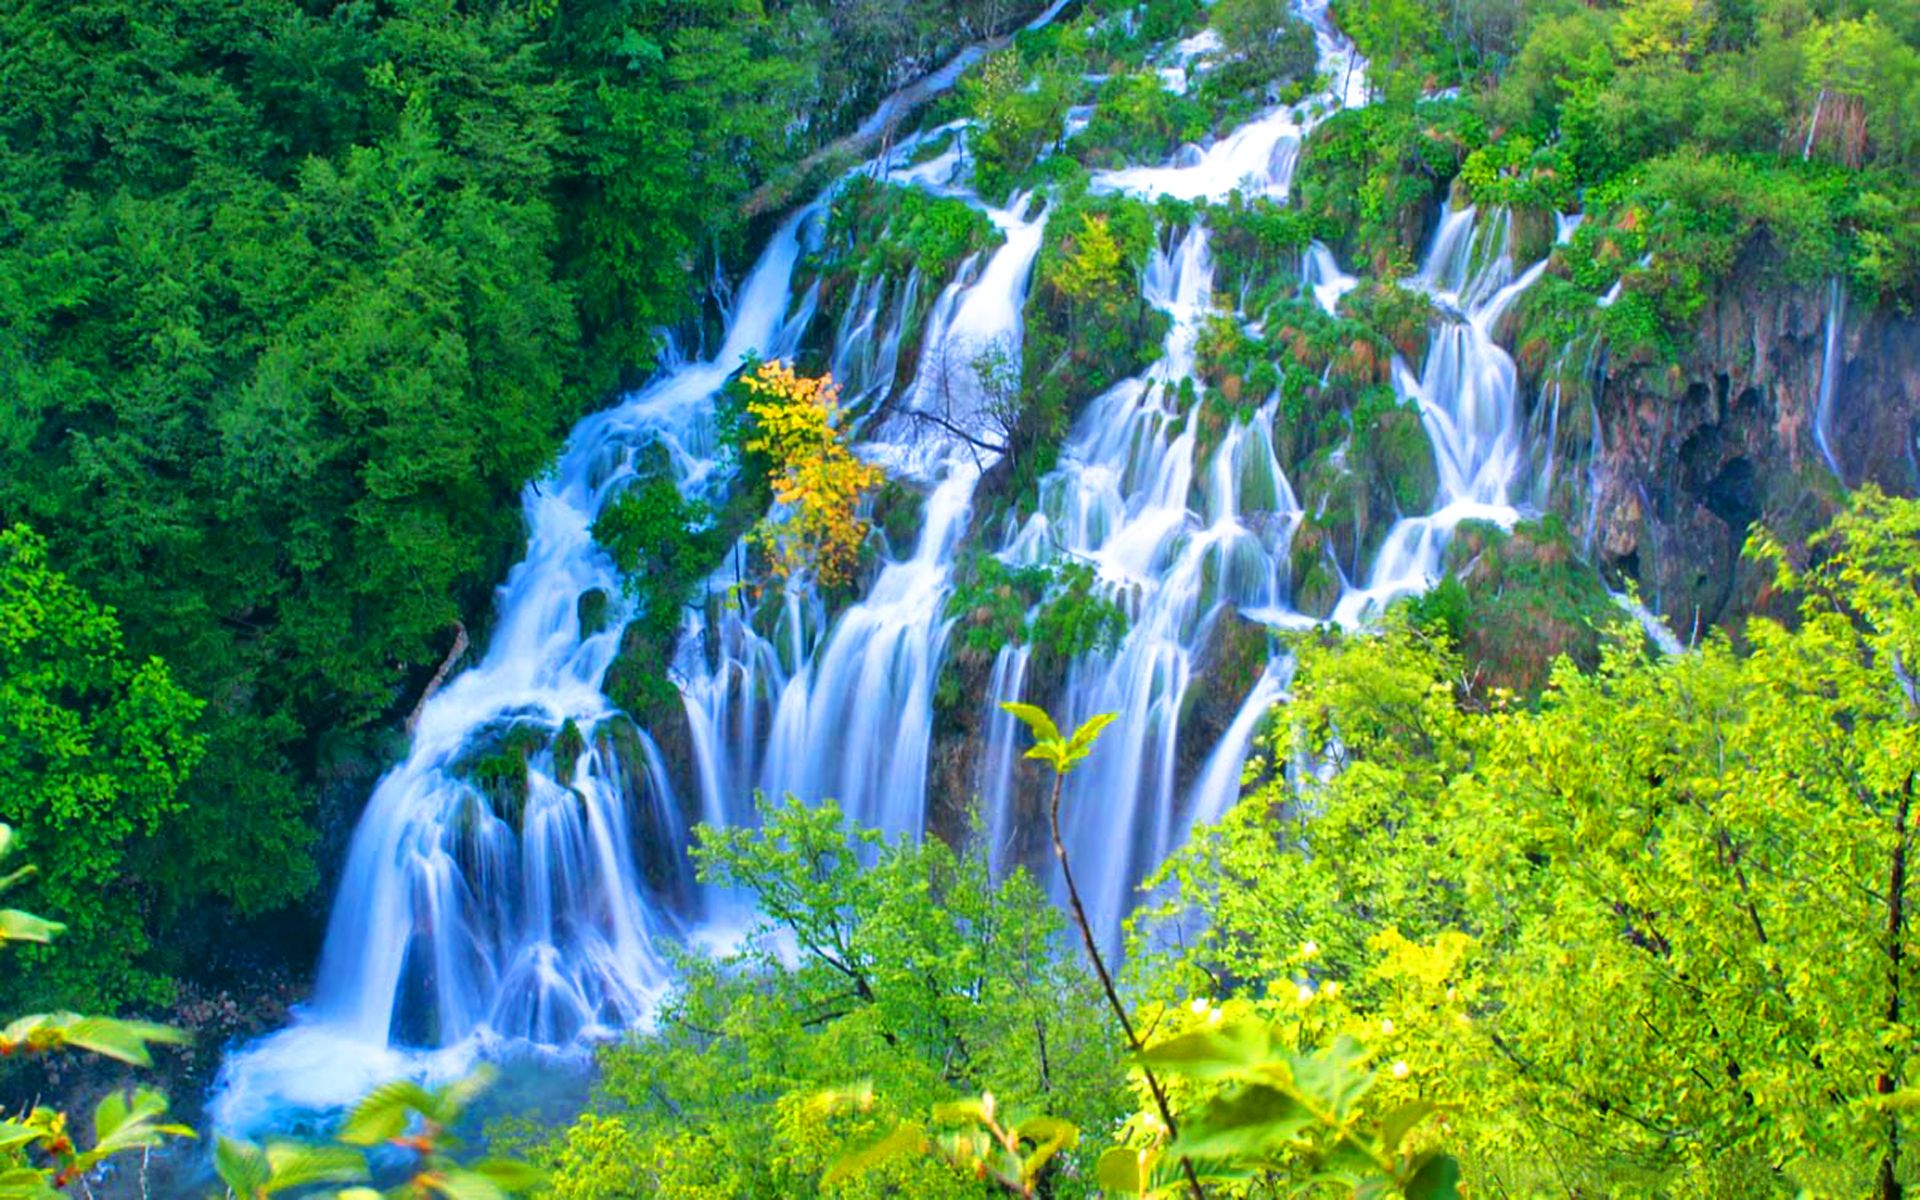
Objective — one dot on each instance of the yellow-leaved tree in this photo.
(817, 480)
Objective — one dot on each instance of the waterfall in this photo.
(1179, 543)
(457, 925)
(468, 920)
(1831, 365)
(1467, 395)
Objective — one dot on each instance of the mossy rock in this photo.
(637, 680)
(1312, 573)
(568, 746)
(1400, 462)
(898, 508)
(1515, 603)
(593, 610)
(495, 762)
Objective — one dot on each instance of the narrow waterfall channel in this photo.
(459, 930)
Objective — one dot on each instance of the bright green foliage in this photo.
(1086, 324)
(94, 748)
(1257, 1109)
(1062, 754)
(1056, 606)
(1016, 120)
(297, 297)
(1682, 965)
(1370, 176)
(1136, 119)
(906, 967)
(401, 1114)
(890, 229)
(38, 1155)
(1012, 1153)
(663, 544)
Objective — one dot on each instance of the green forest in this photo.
(299, 297)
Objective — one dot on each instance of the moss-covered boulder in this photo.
(1517, 602)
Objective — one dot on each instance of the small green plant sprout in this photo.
(38, 1155)
(1267, 1110)
(1060, 753)
(1063, 754)
(403, 1114)
(970, 1136)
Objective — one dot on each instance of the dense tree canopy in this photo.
(295, 295)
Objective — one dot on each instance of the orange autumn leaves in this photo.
(818, 482)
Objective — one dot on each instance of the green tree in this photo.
(94, 748)
(879, 979)
(1682, 964)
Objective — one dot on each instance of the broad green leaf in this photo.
(383, 1114)
(1247, 1123)
(17, 926)
(242, 1166)
(123, 1040)
(1124, 1170)
(460, 1184)
(297, 1165)
(1232, 1051)
(1035, 719)
(510, 1175)
(14, 1134)
(1083, 737)
(907, 1139)
(1437, 1178)
(453, 1099)
(956, 1111)
(1334, 1077)
(1049, 753)
(1049, 1136)
(1395, 1126)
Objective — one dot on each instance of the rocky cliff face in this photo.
(1689, 455)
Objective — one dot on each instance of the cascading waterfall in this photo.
(467, 920)
(852, 710)
(1179, 543)
(1467, 395)
(457, 925)
(1120, 500)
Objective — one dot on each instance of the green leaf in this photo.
(1437, 1178)
(123, 1040)
(382, 1115)
(1035, 719)
(461, 1184)
(1124, 1170)
(959, 1111)
(13, 1135)
(297, 1165)
(1083, 737)
(1395, 1126)
(453, 1099)
(242, 1166)
(1233, 1051)
(1335, 1077)
(11, 880)
(1049, 1135)
(17, 926)
(907, 1139)
(1246, 1123)
(1050, 753)
(510, 1175)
